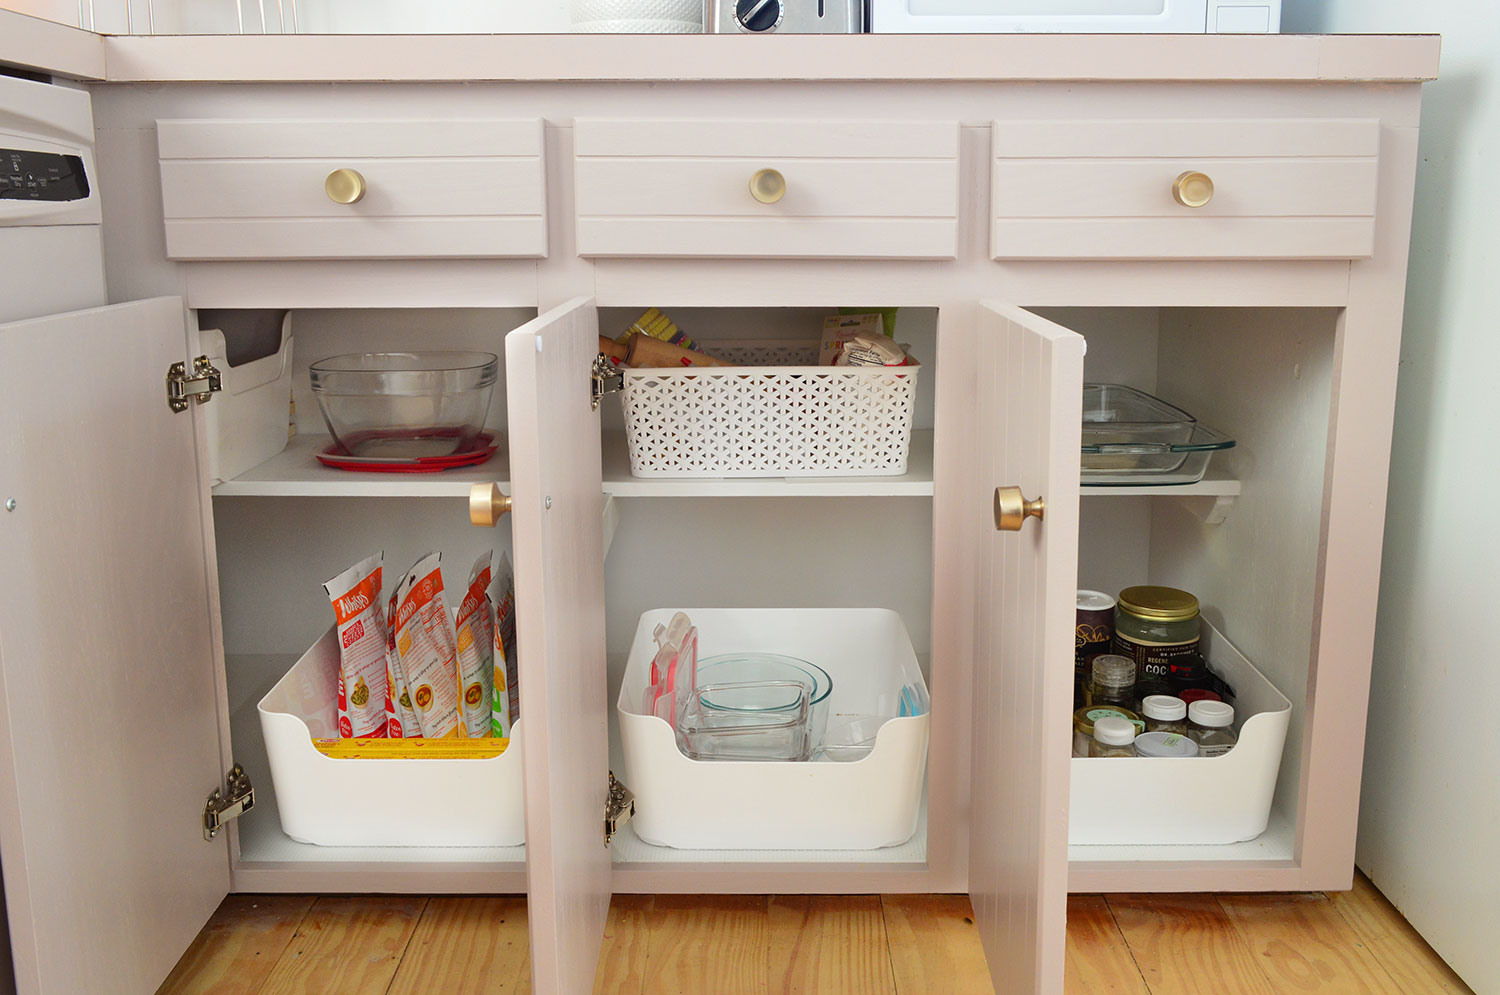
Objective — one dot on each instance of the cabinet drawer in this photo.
(1293, 189)
(255, 189)
(852, 189)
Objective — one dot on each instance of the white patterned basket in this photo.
(782, 417)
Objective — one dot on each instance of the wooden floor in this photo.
(724, 945)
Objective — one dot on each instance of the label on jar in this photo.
(1214, 751)
(1153, 661)
(1090, 639)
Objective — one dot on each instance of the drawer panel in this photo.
(254, 189)
(682, 188)
(1104, 190)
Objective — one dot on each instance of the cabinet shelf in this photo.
(296, 472)
(1210, 499)
(916, 482)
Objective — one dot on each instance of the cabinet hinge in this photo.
(203, 384)
(607, 378)
(237, 798)
(619, 806)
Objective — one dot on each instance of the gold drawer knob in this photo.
(1012, 509)
(487, 504)
(1193, 189)
(344, 186)
(767, 186)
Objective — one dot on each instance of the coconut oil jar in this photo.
(1154, 626)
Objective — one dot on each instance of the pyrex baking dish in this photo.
(1130, 437)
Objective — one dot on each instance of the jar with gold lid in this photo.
(1154, 626)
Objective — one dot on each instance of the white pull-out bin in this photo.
(1203, 800)
(818, 805)
(378, 802)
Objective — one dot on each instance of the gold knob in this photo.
(767, 186)
(1012, 509)
(1193, 189)
(487, 504)
(344, 186)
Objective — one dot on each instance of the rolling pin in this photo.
(644, 352)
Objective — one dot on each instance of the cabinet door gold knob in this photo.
(1193, 189)
(1012, 509)
(344, 186)
(767, 186)
(487, 504)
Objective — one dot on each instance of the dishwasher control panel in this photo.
(47, 176)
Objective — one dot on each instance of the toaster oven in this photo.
(1081, 16)
(760, 17)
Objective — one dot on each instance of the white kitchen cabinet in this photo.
(1285, 337)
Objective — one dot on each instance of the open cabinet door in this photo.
(109, 733)
(557, 526)
(1030, 398)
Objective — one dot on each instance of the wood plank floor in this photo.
(1354, 942)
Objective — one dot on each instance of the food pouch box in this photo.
(427, 650)
(476, 652)
(401, 720)
(507, 703)
(839, 329)
(355, 595)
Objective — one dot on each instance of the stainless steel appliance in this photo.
(758, 17)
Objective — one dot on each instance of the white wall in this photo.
(1429, 833)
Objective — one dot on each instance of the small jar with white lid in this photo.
(1211, 726)
(1113, 737)
(1164, 713)
(1164, 745)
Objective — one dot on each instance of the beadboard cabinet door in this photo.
(109, 707)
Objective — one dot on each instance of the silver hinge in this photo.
(236, 800)
(618, 808)
(203, 384)
(607, 378)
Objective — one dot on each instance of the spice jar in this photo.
(1083, 725)
(1154, 626)
(1113, 737)
(1210, 725)
(1113, 682)
(1093, 631)
(1164, 745)
(1164, 713)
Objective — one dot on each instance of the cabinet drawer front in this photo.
(254, 189)
(1104, 189)
(682, 188)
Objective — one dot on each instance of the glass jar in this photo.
(1113, 737)
(1211, 726)
(1164, 713)
(1164, 746)
(1112, 682)
(1083, 725)
(1154, 626)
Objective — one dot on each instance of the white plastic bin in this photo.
(730, 805)
(248, 422)
(783, 416)
(332, 802)
(1200, 800)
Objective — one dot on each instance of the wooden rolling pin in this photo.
(644, 352)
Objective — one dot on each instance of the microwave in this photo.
(1076, 16)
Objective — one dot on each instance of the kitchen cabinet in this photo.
(1274, 313)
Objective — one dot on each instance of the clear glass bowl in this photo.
(766, 720)
(757, 668)
(405, 405)
(1130, 437)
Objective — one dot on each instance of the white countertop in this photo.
(65, 51)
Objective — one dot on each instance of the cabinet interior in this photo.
(1264, 376)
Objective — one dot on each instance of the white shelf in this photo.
(296, 472)
(916, 482)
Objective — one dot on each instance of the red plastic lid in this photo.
(1198, 694)
(336, 457)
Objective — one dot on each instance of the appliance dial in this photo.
(759, 15)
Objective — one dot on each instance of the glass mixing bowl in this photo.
(405, 405)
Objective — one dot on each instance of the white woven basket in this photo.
(782, 417)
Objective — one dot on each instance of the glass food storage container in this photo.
(1132, 438)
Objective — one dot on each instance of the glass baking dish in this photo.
(1132, 438)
